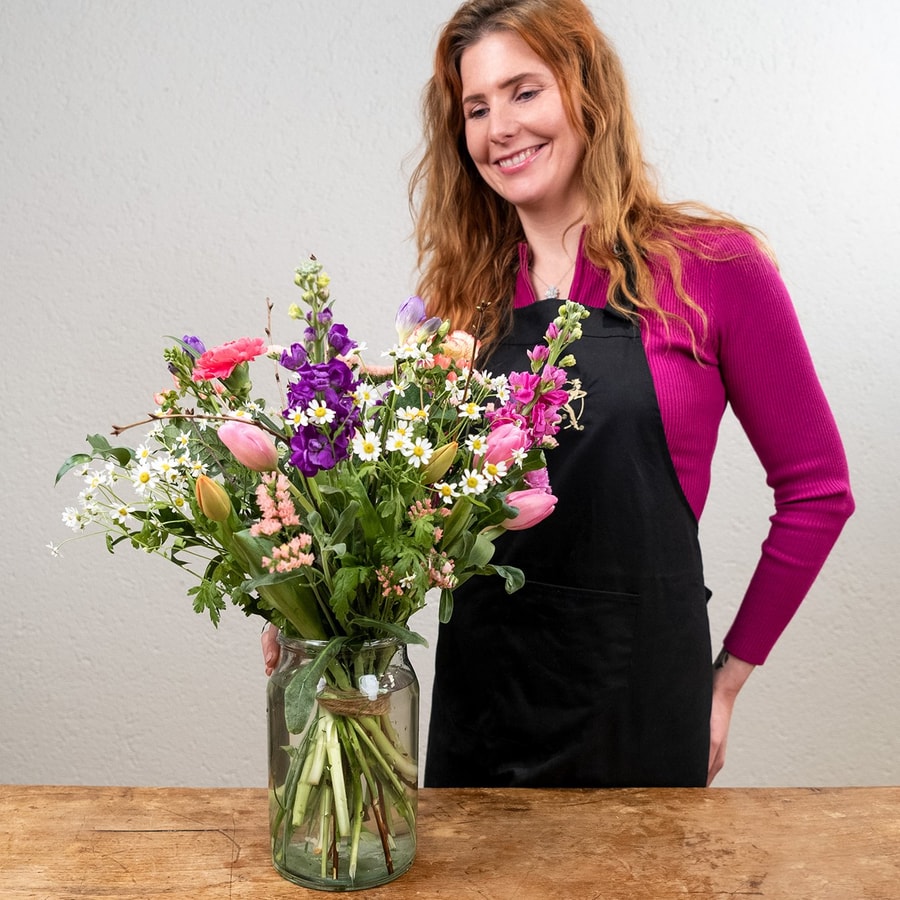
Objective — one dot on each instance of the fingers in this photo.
(270, 648)
(716, 763)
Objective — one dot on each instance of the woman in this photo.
(532, 186)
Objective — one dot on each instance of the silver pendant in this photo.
(552, 293)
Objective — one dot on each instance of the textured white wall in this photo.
(165, 167)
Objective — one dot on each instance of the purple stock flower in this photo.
(312, 451)
(339, 340)
(294, 358)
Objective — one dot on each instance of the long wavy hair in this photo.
(468, 235)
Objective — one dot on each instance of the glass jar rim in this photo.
(316, 644)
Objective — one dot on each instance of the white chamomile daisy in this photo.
(367, 446)
(296, 417)
(447, 492)
(144, 479)
(476, 443)
(495, 472)
(473, 482)
(469, 410)
(365, 395)
(397, 440)
(318, 413)
(121, 513)
(418, 452)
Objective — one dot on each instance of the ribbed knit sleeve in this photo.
(771, 384)
(750, 353)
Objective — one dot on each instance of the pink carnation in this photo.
(220, 362)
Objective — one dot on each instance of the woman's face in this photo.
(517, 131)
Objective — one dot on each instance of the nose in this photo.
(503, 124)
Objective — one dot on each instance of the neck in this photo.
(553, 250)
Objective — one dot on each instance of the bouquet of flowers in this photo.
(332, 514)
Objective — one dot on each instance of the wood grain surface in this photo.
(842, 843)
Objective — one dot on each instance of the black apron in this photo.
(597, 673)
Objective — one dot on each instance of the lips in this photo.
(517, 159)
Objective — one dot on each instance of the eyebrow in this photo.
(509, 82)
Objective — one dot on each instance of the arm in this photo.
(729, 676)
(773, 389)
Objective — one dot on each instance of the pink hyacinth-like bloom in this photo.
(220, 362)
(249, 445)
(504, 441)
(290, 556)
(533, 504)
(275, 504)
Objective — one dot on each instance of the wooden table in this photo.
(75, 842)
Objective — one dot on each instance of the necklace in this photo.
(552, 292)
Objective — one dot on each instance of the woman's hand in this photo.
(729, 677)
(270, 648)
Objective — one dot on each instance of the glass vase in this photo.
(343, 780)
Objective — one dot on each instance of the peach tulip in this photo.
(212, 498)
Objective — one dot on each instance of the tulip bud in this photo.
(533, 504)
(440, 462)
(412, 322)
(212, 498)
(504, 441)
(249, 445)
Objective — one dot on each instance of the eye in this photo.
(476, 112)
(527, 94)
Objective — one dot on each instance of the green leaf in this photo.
(76, 459)
(345, 523)
(300, 693)
(102, 448)
(481, 553)
(457, 521)
(344, 586)
(514, 577)
(392, 629)
(445, 610)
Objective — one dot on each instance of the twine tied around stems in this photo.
(353, 704)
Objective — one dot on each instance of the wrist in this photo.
(730, 673)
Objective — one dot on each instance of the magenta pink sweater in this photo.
(755, 358)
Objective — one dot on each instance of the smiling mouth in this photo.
(517, 159)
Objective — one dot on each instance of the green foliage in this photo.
(352, 550)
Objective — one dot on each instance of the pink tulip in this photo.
(533, 504)
(504, 441)
(249, 445)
